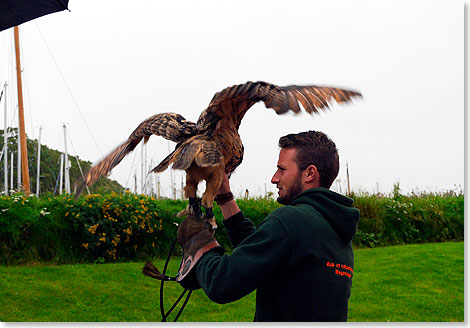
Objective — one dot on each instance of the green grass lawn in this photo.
(401, 283)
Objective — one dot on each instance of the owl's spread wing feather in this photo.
(208, 154)
(233, 102)
(171, 126)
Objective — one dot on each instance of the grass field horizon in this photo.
(410, 283)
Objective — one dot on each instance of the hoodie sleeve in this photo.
(238, 228)
(227, 278)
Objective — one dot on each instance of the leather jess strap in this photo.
(223, 198)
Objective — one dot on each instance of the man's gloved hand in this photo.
(196, 238)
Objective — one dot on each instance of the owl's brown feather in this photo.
(212, 145)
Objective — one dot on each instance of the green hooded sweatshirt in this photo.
(299, 259)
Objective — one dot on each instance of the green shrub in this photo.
(114, 227)
(33, 229)
(409, 219)
(120, 226)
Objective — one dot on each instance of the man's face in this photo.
(287, 177)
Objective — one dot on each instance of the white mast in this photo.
(39, 162)
(142, 168)
(66, 163)
(149, 180)
(172, 187)
(11, 173)
(135, 182)
(182, 187)
(145, 173)
(5, 143)
(19, 157)
(61, 173)
(154, 183)
(158, 187)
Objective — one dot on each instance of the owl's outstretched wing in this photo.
(170, 126)
(233, 102)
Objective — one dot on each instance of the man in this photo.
(300, 258)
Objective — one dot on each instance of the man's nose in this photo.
(274, 179)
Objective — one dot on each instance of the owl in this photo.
(211, 146)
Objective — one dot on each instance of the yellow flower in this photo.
(103, 239)
(92, 229)
(153, 244)
(66, 214)
(85, 245)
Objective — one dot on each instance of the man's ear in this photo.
(311, 175)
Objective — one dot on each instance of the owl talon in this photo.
(209, 215)
(210, 219)
(195, 207)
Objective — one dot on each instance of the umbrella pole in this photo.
(24, 151)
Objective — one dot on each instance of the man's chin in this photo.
(283, 200)
(286, 198)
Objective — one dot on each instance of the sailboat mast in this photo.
(18, 158)
(61, 173)
(11, 169)
(24, 151)
(5, 143)
(38, 174)
(66, 163)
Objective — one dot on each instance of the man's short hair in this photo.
(314, 147)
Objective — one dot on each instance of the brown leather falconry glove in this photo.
(196, 238)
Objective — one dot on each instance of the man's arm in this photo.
(238, 227)
(226, 278)
(229, 208)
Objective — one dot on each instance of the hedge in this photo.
(116, 227)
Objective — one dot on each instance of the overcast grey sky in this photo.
(125, 61)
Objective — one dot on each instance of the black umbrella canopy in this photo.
(16, 12)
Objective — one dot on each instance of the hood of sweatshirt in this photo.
(337, 210)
